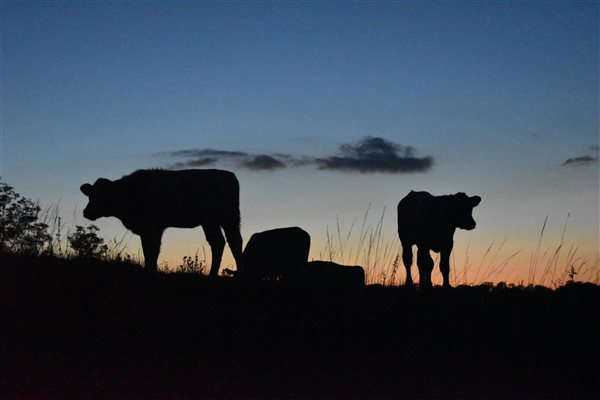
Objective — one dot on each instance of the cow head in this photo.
(100, 199)
(462, 210)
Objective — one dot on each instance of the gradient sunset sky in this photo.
(322, 109)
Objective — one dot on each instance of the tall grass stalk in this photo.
(370, 250)
(51, 217)
(535, 256)
(467, 263)
(498, 269)
(372, 258)
(362, 235)
(552, 264)
(483, 260)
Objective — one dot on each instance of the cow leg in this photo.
(234, 239)
(425, 264)
(215, 239)
(407, 259)
(151, 248)
(445, 265)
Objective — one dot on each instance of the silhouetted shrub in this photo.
(20, 227)
(86, 243)
(191, 265)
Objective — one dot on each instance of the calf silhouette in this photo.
(277, 253)
(333, 275)
(149, 201)
(429, 223)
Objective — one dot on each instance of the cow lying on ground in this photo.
(330, 274)
(149, 201)
(429, 223)
(277, 254)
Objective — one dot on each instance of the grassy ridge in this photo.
(74, 329)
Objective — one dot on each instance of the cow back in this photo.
(186, 198)
(425, 219)
(277, 253)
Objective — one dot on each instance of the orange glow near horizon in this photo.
(472, 263)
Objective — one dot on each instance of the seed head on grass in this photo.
(192, 265)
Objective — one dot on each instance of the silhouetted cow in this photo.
(149, 201)
(429, 222)
(277, 253)
(330, 274)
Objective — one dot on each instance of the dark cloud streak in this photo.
(201, 157)
(202, 153)
(368, 155)
(376, 155)
(580, 160)
(263, 162)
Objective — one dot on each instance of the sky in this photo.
(326, 111)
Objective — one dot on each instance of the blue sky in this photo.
(499, 95)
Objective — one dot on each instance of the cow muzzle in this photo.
(466, 224)
(88, 215)
(470, 226)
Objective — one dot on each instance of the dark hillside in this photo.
(94, 330)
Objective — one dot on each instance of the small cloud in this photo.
(202, 153)
(199, 162)
(595, 148)
(374, 154)
(580, 160)
(263, 162)
(200, 157)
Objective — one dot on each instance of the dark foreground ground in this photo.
(92, 331)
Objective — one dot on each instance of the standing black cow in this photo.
(429, 222)
(149, 201)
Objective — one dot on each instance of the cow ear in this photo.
(86, 189)
(475, 200)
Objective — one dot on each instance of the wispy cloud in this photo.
(263, 162)
(197, 162)
(367, 155)
(201, 153)
(201, 157)
(580, 160)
